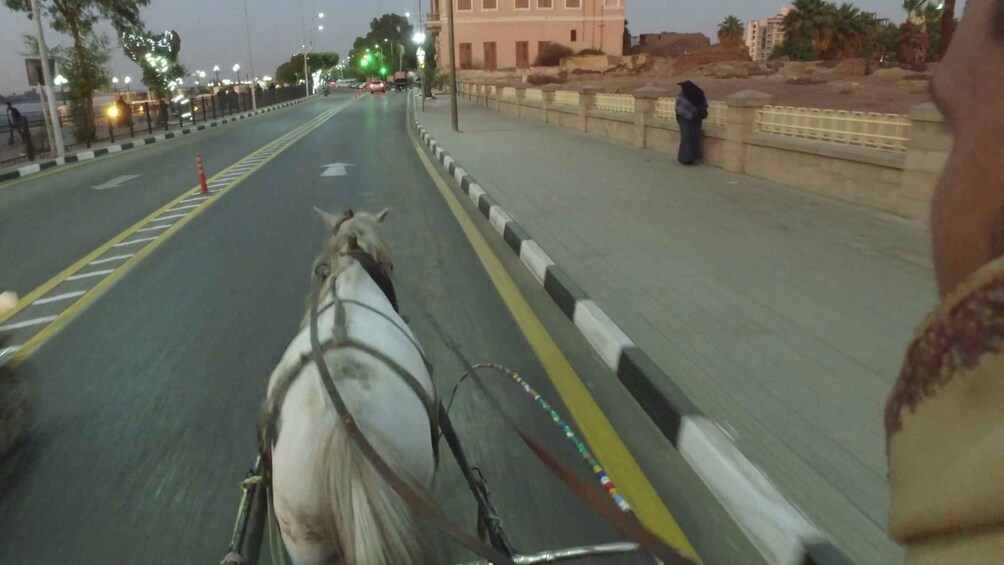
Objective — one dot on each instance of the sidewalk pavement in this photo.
(783, 316)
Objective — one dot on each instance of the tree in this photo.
(807, 29)
(77, 18)
(947, 26)
(387, 35)
(730, 32)
(851, 30)
(157, 56)
(626, 40)
(287, 74)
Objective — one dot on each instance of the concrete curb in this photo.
(778, 529)
(40, 166)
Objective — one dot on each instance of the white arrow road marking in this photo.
(334, 169)
(115, 182)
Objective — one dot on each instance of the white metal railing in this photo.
(665, 108)
(509, 93)
(615, 103)
(865, 129)
(717, 110)
(566, 98)
(534, 95)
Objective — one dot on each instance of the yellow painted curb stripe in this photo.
(599, 433)
(99, 289)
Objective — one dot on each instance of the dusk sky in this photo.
(212, 31)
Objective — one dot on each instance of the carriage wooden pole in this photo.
(202, 174)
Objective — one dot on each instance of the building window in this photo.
(465, 5)
(522, 4)
(545, 4)
(575, 35)
(491, 56)
(466, 56)
(489, 5)
(522, 54)
(573, 3)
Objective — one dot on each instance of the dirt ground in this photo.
(838, 85)
(869, 94)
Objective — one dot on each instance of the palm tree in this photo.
(850, 32)
(947, 25)
(914, 9)
(809, 27)
(730, 32)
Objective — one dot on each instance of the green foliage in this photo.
(287, 74)
(551, 55)
(90, 52)
(883, 44)
(389, 40)
(157, 56)
(817, 29)
(730, 32)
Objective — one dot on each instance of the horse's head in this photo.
(354, 231)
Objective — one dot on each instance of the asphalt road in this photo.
(49, 220)
(148, 400)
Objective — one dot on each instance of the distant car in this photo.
(346, 83)
(377, 86)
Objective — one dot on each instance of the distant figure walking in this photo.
(691, 109)
(13, 120)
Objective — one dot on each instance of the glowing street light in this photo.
(418, 38)
(237, 69)
(127, 80)
(216, 69)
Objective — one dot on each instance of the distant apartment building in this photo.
(498, 34)
(762, 36)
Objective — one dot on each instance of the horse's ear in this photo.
(330, 220)
(383, 214)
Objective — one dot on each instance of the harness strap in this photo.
(416, 499)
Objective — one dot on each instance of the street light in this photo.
(307, 45)
(216, 69)
(126, 80)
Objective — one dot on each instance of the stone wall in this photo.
(900, 182)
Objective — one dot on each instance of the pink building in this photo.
(498, 34)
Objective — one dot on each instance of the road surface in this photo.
(149, 397)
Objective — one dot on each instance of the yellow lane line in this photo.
(99, 289)
(599, 433)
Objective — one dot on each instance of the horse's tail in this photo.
(371, 523)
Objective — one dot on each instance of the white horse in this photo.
(331, 505)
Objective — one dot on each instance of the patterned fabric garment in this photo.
(945, 430)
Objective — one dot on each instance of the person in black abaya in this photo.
(691, 109)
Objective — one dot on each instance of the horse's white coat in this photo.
(328, 499)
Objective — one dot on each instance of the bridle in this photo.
(418, 500)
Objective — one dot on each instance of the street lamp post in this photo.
(247, 30)
(216, 69)
(454, 120)
(127, 80)
(115, 81)
(237, 71)
(307, 45)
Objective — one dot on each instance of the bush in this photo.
(551, 56)
(539, 79)
(591, 51)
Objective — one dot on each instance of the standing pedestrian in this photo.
(13, 120)
(691, 109)
(944, 419)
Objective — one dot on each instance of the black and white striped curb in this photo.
(779, 530)
(140, 142)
